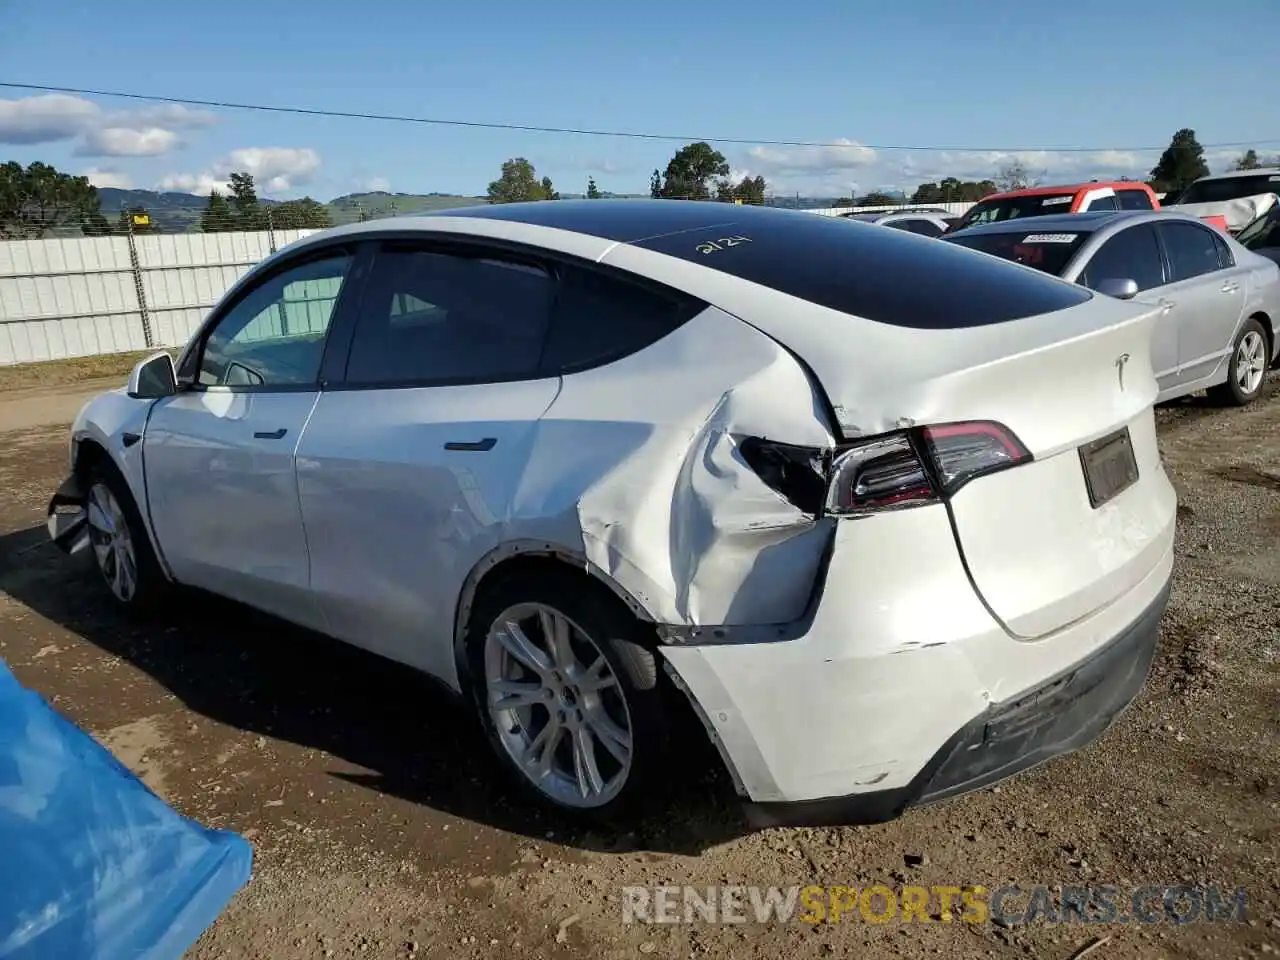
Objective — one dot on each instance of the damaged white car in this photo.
(888, 512)
(1239, 197)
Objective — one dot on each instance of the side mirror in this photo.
(1120, 289)
(153, 378)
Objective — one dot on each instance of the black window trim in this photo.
(1164, 249)
(191, 358)
(334, 366)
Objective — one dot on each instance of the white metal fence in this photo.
(80, 296)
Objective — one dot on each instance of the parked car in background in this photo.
(1047, 201)
(926, 221)
(597, 466)
(1220, 303)
(1239, 197)
(1262, 236)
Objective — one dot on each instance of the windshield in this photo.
(1010, 208)
(1050, 252)
(1230, 188)
(1263, 232)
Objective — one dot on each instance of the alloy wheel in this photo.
(1251, 364)
(557, 706)
(112, 544)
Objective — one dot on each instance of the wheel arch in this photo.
(1270, 330)
(509, 559)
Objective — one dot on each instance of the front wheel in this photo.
(121, 549)
(1247, 367)
(569, 699)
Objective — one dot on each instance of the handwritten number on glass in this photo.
(710, 246)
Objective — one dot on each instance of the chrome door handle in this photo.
(269, 434)
(1230, 287)
(477, 445)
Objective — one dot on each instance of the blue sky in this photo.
(994, 75)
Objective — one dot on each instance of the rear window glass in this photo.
(1010, 208)
(889, 276)
(1231, 188)
(1050, 252)
(1263, 232)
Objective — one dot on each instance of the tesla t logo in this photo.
(1120, 362)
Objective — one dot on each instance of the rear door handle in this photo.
(1230, 287)
(477, 445)
(269, 434)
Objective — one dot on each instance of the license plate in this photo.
(1109, 466)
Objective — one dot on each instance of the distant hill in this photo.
(347, 209)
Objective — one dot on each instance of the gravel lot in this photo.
(379, 829)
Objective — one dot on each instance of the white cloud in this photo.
(376, 185)
(109, 178)
(274, 169)
(197, 183)
(49, 118)
(45, 119)
(126, 142)
(840, 155)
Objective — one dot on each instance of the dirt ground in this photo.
(380, 828)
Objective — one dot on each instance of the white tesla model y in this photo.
(887, 511)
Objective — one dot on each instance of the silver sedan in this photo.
(1220, 302)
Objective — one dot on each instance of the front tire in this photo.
(1246, 368)
(567, 694)
(119, 543)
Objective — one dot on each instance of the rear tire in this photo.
(1246, 367)
(119, 544)
(570, 699)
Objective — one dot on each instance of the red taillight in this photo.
(918, 466)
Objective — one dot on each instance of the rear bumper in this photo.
(1054, 718)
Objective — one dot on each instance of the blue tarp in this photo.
(93, 865)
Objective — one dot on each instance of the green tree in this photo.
(217, 216)
(304, 214)
(691, 170)
(655, 184)
(38, 199)
(748, 190)
(519, 183)
(245, 209)
(952, 190)
(875, 199)
(593, 192)
(1181, 163)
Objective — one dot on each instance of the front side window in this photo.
(436, 315)
(274, 336)
(1191, 250)
(1131, 254)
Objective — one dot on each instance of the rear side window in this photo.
(1103, 203)
(1191, 249)
(599, 318)
(868, 271)
(1131, 254)
(1134, 200)
(429, 315)
(1225, 257)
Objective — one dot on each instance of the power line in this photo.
(584, 132)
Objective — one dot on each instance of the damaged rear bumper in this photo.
(68, 520)
(1053, 719)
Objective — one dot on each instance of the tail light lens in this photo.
(890, 472)
(921, 465)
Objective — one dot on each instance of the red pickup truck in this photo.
(1071, 198)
